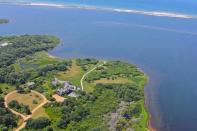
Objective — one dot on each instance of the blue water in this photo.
(165, 48)
(179, 6)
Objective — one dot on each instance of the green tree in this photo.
(38, 123)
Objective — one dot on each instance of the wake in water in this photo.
(148, 27)
(87, 7)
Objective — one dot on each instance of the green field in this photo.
(26, 99)
(40, 113)
(73, 74)
(6, 88)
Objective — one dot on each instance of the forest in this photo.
(19, 47)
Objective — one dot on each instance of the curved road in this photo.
(25, 118)
(83, 77)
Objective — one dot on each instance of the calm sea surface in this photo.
(165, 48)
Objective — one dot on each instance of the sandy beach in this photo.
(151, 13)
(46, 4)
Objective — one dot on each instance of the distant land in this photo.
(4, 21)
(165, 8)
(67, 94)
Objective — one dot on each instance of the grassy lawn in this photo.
(145, 116)
(6, 88)
(118, 80)
(17, 67)
(39, 113)
(38, 60)
(73, 75)
(54, 114)
(43, 58)
(92, 123)
(20, 122)
(26, 99)
(89, 87)
(47, 84)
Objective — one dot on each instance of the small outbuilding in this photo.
(30, 85)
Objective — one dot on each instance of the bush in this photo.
(49, 129)
(39, 123)
(19, 107)
(35, 102)
(4, 129)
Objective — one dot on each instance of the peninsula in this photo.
(42, 92)
(4, 21)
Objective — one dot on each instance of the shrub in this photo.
(39, 123)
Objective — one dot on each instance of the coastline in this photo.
(145, 104)
(150, 127)
(119, 10)
(148, 121)
(52, 56)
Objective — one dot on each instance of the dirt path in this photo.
(25, 118)
(42, 104)
(83, 77)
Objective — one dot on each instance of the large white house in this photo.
(67, 87)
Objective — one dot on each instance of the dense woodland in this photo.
(7, 119)
(20, 47)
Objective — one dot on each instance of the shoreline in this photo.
(119, 10)
(149, 121)
(150, 126)
(52, 56)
